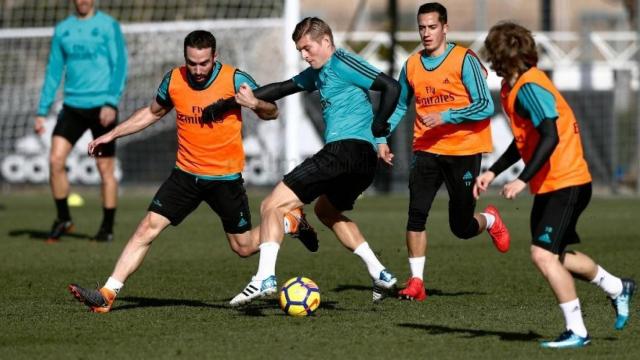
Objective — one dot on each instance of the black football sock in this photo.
(63, 209)
(108, 216)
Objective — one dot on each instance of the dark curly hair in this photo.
(511, 50)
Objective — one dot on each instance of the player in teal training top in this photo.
(346, 108)
(343, 168)
(89, 49)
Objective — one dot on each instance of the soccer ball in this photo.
(299, 296)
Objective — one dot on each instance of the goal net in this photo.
(250, 36)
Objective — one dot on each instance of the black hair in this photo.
(200, 39)
(434, 7)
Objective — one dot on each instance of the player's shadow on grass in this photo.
(257, 308)
(436, 292)
(341, 288)
(44, 235)
(135, 302)
(472, 333)
(431, 292)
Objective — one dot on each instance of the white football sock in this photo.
(573, 317)
(113, 284)
(416, 264)
(490, 219)
(373, 264)
(611, 285)
(268, 258)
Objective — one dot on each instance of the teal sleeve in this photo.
(162, 95)
(241, 77)
(118, 60)
(306, 79)
(406, 93)
(354, 69)
(53, 75)
(536, 103)
(481, 106)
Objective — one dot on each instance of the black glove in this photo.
(215, 111)
(380, 128)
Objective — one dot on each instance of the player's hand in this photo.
(482, 183)
(384, 153)
(512, 189)
(432, 119)
(214, 111)
(38, 125)
(245, 97)
(380, 128)
(107, 115)
(95, 146)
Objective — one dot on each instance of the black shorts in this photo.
(341, 170)
(181, 193)
(554, 217)
(73, 122)
(458, 173)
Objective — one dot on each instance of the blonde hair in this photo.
(314, 27)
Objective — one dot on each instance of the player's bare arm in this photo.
(264, 109)
(141, 119)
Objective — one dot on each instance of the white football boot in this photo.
(383, 285)
(255, 289)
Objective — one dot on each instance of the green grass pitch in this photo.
(482, 304)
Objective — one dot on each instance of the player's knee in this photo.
(149, 228)
(267, 205)
(57, 162)
(241, 244)
(106, 168)
(541, 257)
(243, 251)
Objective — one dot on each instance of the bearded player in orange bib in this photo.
(208, 167)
